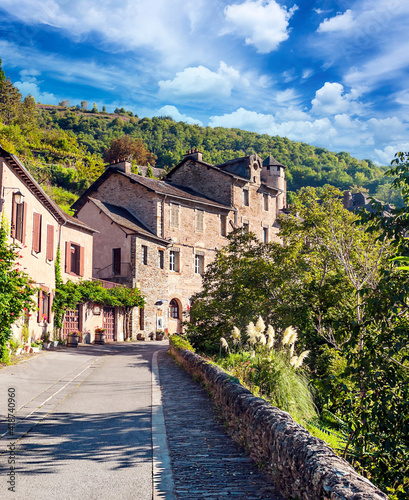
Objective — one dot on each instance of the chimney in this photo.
(194, 154)
(123, 164)
(347, 199)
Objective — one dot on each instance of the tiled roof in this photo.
(174, 190)
(125, 219)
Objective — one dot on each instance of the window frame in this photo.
(174, 261)
(199, 264)
(116, 261)
(265, 202)
(199, 220)
(246, 198)
(144, 254)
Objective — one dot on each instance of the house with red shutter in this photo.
(40, 227)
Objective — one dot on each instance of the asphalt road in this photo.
(83, 424)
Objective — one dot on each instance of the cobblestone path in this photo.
(206, 462)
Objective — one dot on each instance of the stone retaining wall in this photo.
(302, 466)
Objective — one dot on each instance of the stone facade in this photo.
(300, 465)
(167, 231)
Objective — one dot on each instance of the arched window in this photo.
(174, 309)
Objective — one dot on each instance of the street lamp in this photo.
(18, 196)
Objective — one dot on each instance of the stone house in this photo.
(39, 227)
(160, 235)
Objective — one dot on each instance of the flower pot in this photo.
(99, 338)
(73, 340)
(55, 343)
(159, 336)
(140, 336)
(47, 345)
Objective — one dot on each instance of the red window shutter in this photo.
(82, 256)
(36, 245)
(40, 305)
(23, 236)
(68, 257)
(50, 307)
(13, 218)
(50, 242)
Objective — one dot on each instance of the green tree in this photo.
(16, 288)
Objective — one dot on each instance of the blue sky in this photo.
(328, 73)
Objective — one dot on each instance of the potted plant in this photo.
(73, 339)
(46, 340)
(99, 335)
(159, 335)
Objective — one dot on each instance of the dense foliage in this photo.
(16, 288)
(71, 293)
(335, 281)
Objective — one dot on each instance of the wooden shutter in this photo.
(36, 244)
(23, 229)
(82, 259)
(13, 217)
(40, 305)
(68, 257)
(50, 307)
(50, 242)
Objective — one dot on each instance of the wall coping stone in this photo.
(301, 465)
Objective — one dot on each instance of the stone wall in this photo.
(300, 465)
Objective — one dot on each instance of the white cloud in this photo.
(163, 26)
(331, 99)
(341, 22)
(307, 72)
(173, 112)
(263, 23)
(375, 138)
(390, 65)
(32, 88)
(386, 155)
(202, 83)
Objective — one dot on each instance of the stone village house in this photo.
(159, 235)
(39, 227)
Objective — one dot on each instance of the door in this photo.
(109, 324)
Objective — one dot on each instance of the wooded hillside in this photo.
(64, 147)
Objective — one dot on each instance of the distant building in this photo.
(160, 235)
(356, 201)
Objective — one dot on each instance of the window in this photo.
(246, 227)
(74, 259)
(161, 255)
(145, 254)
(36, 243)
(44, 305)
(265, 234)
(223, 225)
(141, 318)
(174, 261)
(246, 197)
(174, 215)
(18, 220)
(199, 264)
(116, 261)
(199, 220)
(50, 242)
(174, 309)
(265, 201)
